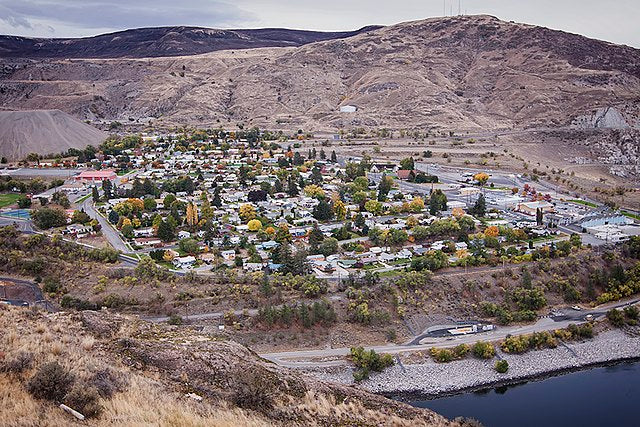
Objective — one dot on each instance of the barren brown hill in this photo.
(43, 132)
(472, 72)
(121, 371)
(162, 41)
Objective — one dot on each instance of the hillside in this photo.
(471, 72)
(162, 41)
(120, 370)
(43, 132)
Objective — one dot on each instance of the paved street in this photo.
(308, 358)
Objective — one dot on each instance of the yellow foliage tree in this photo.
(457, 212)
(168, 256)
(247, 212)
(313, 191)
(492, 231)
(254, 225)
(340, 209)
(481, 178)
(417, 204)
(192, 214)
(412, 221)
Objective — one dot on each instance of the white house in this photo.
(184, 262)
(348, 109)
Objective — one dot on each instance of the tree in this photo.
(386, 183)
(407, 164)
(45, 218)
(329, 246)
(95, 196)
(323, 211)
(114, 217)
(481, 178)
(168, 201)
(107, 188)
(80, 217)
(373, 206)
(60, 198)
(254, 225)
(149, 203)
(292, 187)
(479, 208)
(257, 195)
(189, 246)
(334, 157)
(166, 231)
(24, 202)
(538, 217)
(192, 214)
(315, 238)
(437, 202)
(247, 212)
(314, 191)
(316, 175)
(340, 209)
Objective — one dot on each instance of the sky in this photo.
(616, 22)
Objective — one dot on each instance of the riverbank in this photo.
(429, 379)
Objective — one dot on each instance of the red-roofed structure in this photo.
(96, 176)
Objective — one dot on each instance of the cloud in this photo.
(120, 14)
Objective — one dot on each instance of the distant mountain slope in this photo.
(43, 132)
(162, 41)
(455, 73)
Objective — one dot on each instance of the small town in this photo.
(202, 202)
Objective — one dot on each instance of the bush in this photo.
(84, 399)
(616, 318)
(367, 361)
(253, 390)
(175, 319)
(51, 382)
(502, 366)
(20, 363)
(483, 350)
(107, 382)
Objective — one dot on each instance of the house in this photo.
(182, 234)
(404, 174)
(184, 262)
(530, 208)
(253, 266)
(207, 257)
(348, 109)
(143, 232)
(591, 221)
(96, 176)
(147, 241)
(228, 255)
(78, 229)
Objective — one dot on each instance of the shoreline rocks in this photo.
(430, 379)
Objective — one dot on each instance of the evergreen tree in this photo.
(315, 238)
(95, 196)
(323, 211)
(316, 176)
(292, 187)
(480, 206)
(107, 187)
(334, 157)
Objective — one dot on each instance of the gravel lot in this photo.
(430, 378)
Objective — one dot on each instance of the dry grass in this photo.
(146, 397)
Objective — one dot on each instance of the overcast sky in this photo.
(617, 21)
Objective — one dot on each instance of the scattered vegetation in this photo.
(367, 361)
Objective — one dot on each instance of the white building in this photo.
(348, 109)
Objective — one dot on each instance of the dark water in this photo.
(607, 396)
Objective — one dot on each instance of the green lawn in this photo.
(583, 202)
(8, 199)
(630, 215)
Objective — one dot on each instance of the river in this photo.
(608, 396)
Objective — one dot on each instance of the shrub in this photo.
(367, 361)
(107, 382)
(502, 366)
(483, 350)
(51, 382)
(20, 363)
(616, 318)
(253, 390)
(84, 399)
(175, 319)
